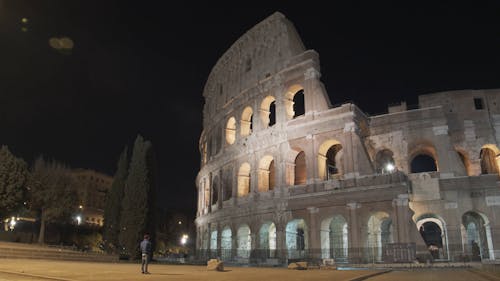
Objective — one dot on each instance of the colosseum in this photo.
(287, 176)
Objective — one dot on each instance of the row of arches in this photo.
(294, 107)
(330, 166)
(475, 232)
(335, 238)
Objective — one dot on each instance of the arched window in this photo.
(215, 191)
(423, 163)
(268, 111)
(294, 102)
(300, 169)
(329, 159)
(267, 239)
(244, 180)
(266, 174)
(244, 241)
(298, 104)
(227, 188)
(246, 121)
(226, 243)
(231, 130)
(384, 162)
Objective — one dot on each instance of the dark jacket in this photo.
(146, 246)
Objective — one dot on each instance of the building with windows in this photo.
(91, 187)
(285, 175)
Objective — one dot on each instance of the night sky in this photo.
(139, 68)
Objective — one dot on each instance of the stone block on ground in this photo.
(301, 265)
(328, 264)
(215, 264)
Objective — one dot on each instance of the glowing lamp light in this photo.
(389, 167)
(184, 239)
(78, 219)
(12, 223)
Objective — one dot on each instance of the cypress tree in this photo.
(13, 180)
(114, 203)
(137, 215)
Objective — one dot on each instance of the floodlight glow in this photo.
(78, 219)
(389, 167)
(184, 239)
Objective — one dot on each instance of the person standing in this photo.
(146, 252)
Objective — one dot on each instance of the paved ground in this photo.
(83, 271)
(30, 270)
(430, 275)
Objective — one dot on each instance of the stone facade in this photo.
(284, 175)
(92, 188)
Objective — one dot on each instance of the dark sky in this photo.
(139, 67)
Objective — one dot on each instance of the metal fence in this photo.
(389, 253)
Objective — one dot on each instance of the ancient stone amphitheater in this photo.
(285, 175)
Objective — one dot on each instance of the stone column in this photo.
(281, 242)
(281, 117)
(314, 234)
(219, 241)
(355, 253)
(234, 242)
(402, 219)
(314, 95)
(219, 188)
(349, 152)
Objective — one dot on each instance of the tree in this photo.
(138, 206)
(52, 193)
(13, 180)
(113, 203)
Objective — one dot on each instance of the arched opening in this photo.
(298, 104)
(226, 243)
(432, 235)
(384, 162)
(330, 159)
(379, 235)
(296, 239)
(246, 121)
(479, 244)
(227, 187)
(433, 231)
(294, 102)
(267, 238)
(213, 244)
(244, 180)
(300, 169)
(268, 111)
(423, 163)
(266, 174)
(231, 130)
(215, 191)
(489, 163)
(334, 238)
(244, 241)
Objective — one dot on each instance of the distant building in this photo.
(285, 175)
(92, 188)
